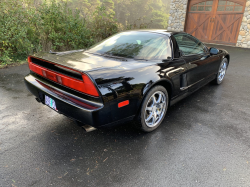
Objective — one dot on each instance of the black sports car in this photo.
(133, 75)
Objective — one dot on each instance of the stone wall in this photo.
(177, 17)
(244, 35)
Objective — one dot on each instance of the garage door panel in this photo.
(226, 27)
(198, 25)
(215, 21)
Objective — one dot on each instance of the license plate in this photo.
(50, 102)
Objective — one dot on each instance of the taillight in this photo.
(85, 86)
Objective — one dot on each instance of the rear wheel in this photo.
(221, 72)
(154, 108)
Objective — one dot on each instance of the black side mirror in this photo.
(213, 51)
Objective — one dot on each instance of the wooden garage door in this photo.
(215, 21)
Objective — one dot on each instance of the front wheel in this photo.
(154, 108)
(221, 72)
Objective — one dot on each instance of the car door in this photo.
(201, 66)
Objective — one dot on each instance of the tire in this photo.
(153, 110)
(221, 72)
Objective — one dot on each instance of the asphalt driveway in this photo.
(203, 141)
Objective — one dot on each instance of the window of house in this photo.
(202, 6)
(229, 6)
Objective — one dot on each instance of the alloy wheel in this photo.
(222, 71)
(155, 109)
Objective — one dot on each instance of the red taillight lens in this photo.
(85, 86)
(89, 86)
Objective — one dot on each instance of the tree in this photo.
(109, 6)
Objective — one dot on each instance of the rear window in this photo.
(134, 44)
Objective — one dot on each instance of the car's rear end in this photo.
(68, 91)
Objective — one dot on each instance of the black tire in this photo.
(158, 107)
(218, 80)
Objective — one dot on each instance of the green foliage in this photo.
(13, 31)
(59, 28)
(139, 14)
(30, 26)
(103, 24)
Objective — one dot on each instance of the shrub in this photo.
(103, 24)
(15, 35)
(28, 29)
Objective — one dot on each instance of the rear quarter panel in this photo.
(118, 85)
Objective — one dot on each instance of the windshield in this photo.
(134, 44)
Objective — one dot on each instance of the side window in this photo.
(189, 45)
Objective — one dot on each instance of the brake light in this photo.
(85, 86)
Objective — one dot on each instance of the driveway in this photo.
(203, 141)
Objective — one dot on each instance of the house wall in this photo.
(244, 35)
(178, 10)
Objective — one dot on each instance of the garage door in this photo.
(215, 21)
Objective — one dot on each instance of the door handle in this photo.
(212, 20)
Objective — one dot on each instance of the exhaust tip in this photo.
(88, 128)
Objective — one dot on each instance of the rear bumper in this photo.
(87, 112)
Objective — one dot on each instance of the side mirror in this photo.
(213, 51)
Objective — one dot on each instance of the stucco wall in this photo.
(177, 17)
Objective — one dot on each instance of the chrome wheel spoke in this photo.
(155, 115)
(149, 108)
(159, 98)
(149, 117)
(154, 100)
(154, 119)
(162, 105)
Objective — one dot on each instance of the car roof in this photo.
(159, 31)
